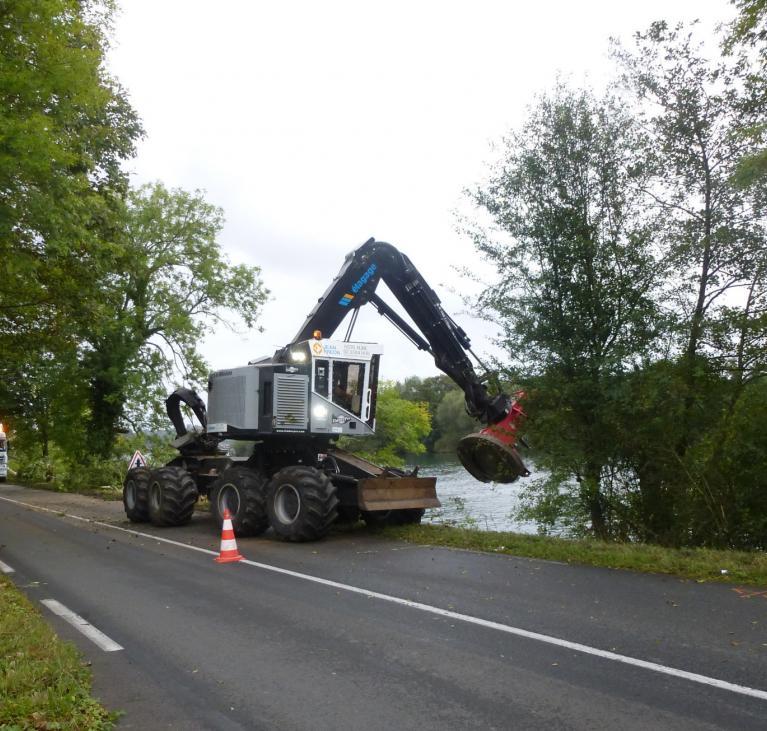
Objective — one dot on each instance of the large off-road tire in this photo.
(243, 492)
(301, 503)
(136, 494)
(172, 495)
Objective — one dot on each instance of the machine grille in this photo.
(291, 401)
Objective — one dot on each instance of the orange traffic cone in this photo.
(229, 550)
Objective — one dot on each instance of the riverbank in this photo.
(699, 564)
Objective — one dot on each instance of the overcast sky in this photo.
(316, 125)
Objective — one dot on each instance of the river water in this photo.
(468, 502)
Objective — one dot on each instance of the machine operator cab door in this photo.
(343, 387)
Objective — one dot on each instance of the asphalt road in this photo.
(262, 645)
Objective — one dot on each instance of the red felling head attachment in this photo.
(490, 455)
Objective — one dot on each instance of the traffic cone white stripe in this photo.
(230, 545)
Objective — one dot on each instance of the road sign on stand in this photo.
(137, 460)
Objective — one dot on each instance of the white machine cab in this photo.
(325, 387)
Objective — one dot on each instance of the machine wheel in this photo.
(136, 494)
(172, 495)
(301, 503)
(243, 492)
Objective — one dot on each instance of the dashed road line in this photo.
(107, 644)
(6, 569)
(508, 629)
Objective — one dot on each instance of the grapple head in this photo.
(490, 455)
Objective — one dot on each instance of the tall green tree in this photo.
(571, 244)
(170, 284)
(694, 110)
(65, 127)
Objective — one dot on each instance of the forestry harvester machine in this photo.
(295, 405)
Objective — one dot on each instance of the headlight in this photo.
(298, 356)
(320, 411)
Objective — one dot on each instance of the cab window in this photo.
(321, 377)
(348, 384)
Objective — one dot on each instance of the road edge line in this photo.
(95, 635)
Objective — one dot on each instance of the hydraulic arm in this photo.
(488, 455)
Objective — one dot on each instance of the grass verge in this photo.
(43, 681)
(701, 564)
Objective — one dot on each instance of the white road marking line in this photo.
(107, 644)
(6, 569)
(508, 629)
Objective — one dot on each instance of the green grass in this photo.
(43, 681)
(701, 564)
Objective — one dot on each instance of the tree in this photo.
(749, 30)
(65, 126)
(574, 297)
(451, 422)
(170, 284)
(704, 118)
(431, 391)
(401, 427)
(694, 110)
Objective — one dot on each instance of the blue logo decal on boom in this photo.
(363, 280)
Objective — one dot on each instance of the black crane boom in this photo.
(355, 285)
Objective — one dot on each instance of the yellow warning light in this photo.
(317, 335)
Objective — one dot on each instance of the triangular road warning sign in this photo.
(137, 460)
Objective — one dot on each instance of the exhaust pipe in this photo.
(490, 455)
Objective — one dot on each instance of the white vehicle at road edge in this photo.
(3, 455)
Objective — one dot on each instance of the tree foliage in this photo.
(631, 297)
(430, 391)
(571, 244)
(65, 127)
(451, 422)
(106, 291)
(169, 285)
(749, 31)
(401, 427)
